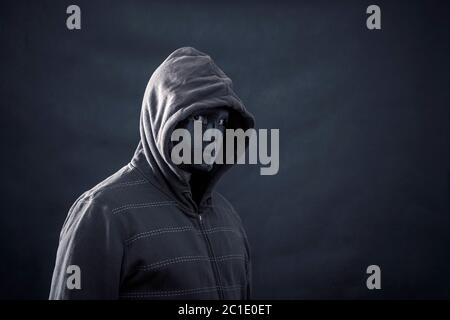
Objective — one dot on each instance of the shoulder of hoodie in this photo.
(219, 202)
(125, 187)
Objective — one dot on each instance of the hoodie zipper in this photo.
(211, 256)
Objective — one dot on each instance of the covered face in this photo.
(186, 86)
(213, 119)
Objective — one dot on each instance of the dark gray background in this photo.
(363, 119)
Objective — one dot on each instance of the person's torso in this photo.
(169, 254)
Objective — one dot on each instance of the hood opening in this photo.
(186, 82)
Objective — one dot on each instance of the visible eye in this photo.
(198, 117)
(222, 122)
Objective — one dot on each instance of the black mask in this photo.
(211, 119)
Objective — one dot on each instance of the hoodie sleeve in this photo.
(89, 256)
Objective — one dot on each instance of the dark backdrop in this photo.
(363, 119)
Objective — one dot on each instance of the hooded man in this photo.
(156, 230)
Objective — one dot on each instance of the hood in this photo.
(186, 82)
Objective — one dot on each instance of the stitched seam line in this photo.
(116, 186)
(234, 213)
(177, 292)
(142, 205)
(176, 229)
(156, 232)
(125, 184)
(167, 262)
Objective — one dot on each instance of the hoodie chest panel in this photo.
(170, 255)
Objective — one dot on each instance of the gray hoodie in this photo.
(138, 234)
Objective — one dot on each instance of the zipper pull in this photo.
(200, 217)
